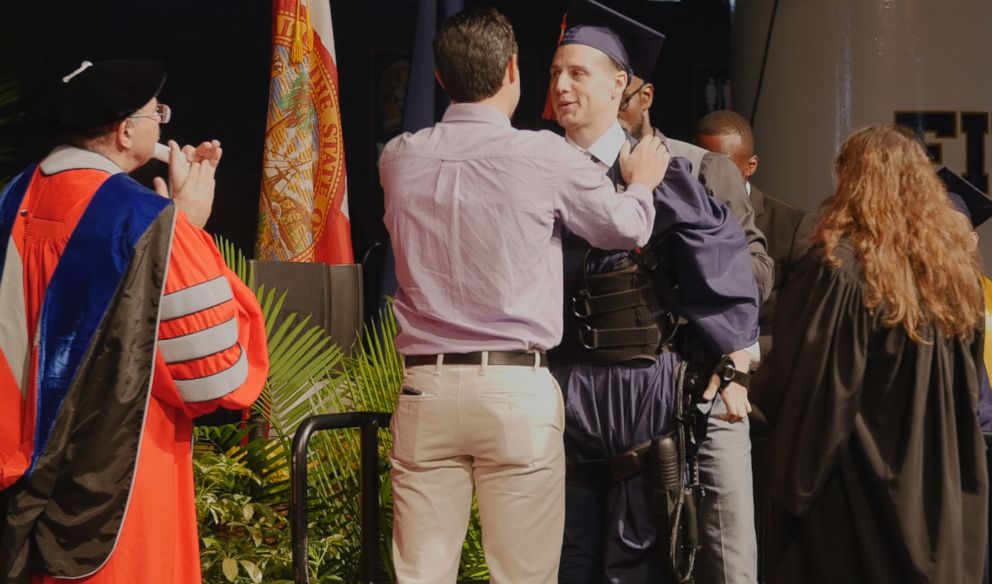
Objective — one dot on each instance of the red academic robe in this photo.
(209, 352)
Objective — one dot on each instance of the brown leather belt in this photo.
(520, 358)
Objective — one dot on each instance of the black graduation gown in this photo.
(875, 468)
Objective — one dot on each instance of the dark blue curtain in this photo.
(425, 100)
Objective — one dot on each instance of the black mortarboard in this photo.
(100, 93)
(627, 41)
(966, 198)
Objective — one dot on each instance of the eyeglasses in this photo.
(162, 115)
(625, 101)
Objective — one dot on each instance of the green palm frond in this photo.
(15, 77)
(236, 260)
(376, 370)
(12, 91)
(302, 362)
(473, 563)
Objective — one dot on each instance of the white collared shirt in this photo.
(605, 150)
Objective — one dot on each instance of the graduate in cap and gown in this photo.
(616, 364)
(976, 206)
(875, 469)
(119, 323)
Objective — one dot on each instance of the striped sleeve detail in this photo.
(199, 340)
(14, 344)
(195, 298)
(214, 386)
(202, 343)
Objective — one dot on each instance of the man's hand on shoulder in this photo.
(646, 164)
(191, 173)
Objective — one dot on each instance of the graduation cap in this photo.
(966, 198)
(100, 93)
(628, 42)
(631, 44)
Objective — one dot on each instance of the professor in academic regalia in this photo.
(119, 323)
(875, 468)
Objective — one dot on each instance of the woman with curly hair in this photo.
(875, 467)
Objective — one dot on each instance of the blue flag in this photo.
(425, 100)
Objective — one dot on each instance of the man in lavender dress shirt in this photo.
(472, 206)
(617, 364)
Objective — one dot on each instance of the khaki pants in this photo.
(499, 429)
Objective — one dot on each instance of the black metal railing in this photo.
(369, 423)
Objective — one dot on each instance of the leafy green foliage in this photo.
(243, 485)
(14, 82)
(244, 537)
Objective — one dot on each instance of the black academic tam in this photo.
(97, 94)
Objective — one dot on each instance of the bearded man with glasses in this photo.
(119, 323)
(715, 171)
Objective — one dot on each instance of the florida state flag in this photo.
(303, 211)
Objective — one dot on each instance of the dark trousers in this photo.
(603, 544)
(609, 531)
(585, 528)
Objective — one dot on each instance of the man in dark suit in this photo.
(786, 228)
